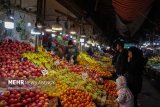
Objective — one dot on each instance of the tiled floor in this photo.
(150, 96)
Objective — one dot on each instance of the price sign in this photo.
(84, 75)
(57, 62)
(104, 98)
(44, 72)
(3, 91)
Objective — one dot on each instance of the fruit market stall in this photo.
(153, 68)
(74, 85)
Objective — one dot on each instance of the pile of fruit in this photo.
(13, 50)
(24, 99)
(76, 98)
(110, 88)
(19, 69)
(106, 59)
(41, 59)
(65, 79)
(89, 62)
(154, 60)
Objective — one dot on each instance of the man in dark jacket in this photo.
(71, 52)
(122, 58)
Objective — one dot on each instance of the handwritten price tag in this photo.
(84, 75)
(104, 98)
(44, 72)
(57, 62)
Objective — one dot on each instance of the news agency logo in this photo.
(16, 82)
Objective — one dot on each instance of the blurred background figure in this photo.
(90, 51)
(58, 51)
(71, 52)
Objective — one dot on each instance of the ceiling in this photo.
(132, 15)
(111, 19)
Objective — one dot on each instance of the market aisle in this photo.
(150, 96)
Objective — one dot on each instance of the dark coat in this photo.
(135, 71)
(72, 51)
(121, 63)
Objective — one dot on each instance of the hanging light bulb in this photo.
(39, 25)
(72, 30)
(9, 23)
(83, 33)
(48, 29)
(35, 31)
(57, 26)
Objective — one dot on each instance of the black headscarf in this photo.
(136, 53)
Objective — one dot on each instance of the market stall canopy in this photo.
(130, 15)
(130, 10)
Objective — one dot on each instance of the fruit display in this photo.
(75, 85)
(106, 59)
(13, 50)
(54, 86)
(41, 59)
(74, 80)
(154, 60)
(89, 62)
(110, 88)
(24, 99)
(19, 69)
(76, 98)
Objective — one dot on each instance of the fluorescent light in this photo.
(73, 32)
(35, 31)
(83, 35)
(28, 24)
(81, 40)
(39, 26)
(11, 17)
(53, 35)
(57, 27)
(82, 44)
(48, 30)
(107, 47)
(42, 33)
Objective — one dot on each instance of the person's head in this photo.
(119, 45)
(70, 43)
(134, 53)
(121, 82)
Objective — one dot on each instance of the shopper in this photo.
(71, 52)
(121, 61)
(58, 51)
(90, 51)
(125, 97)
(136, 64)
